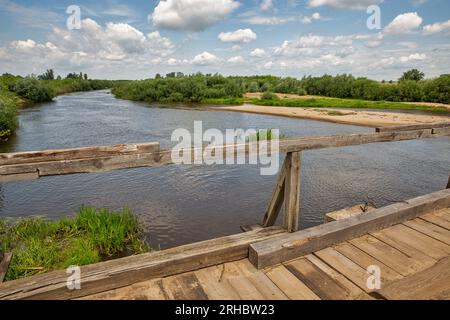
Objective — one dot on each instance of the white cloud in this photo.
(314, 17)
(344, 4)
(268, 65)
(205, 59)
(266, 5)
(436, 27)
(191, 15)
(413, 57)
(269, 21)
(241, 35)
(236, 60)
(91, 47)
(405, 23)
(22, 45)
(258, 53)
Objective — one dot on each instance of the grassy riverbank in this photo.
(341, 91)
(318, 102)
(17, 92)
(92, 235)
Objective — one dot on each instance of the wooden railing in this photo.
(35, 164)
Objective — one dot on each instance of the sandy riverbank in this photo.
(354, 117)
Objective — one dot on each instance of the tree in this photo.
(85, 76)
(47, 75)
(413, 74)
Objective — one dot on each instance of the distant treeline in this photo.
(177, 87)
(16, 91)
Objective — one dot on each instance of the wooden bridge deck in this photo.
(413, 257)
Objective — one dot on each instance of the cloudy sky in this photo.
(119, 39)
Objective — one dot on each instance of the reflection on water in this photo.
(181, 204)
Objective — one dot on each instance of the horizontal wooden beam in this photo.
(122, 272)
(20, 166)
(270, 252)
(414, 127)
(77, 153)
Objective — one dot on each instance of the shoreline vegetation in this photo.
(17, 92)
(411, 92)
(92, 235)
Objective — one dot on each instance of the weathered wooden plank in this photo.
(429, 284)
(414, 127)
(28, 164)
(277, 198)
(347, 212)
(301, 144)
(289, 246)
(326, 283)
(401, 242)
(251, 227)
(410, 237)
(437, 220)
(389, 256)
(77, 153)
(291, 286)
(441, 132)
(19, 177)
(292, 192)
(241, 283)
(87, 165)
(260, 280)
(430, 230)
(126, 271)
(146, 290)
(345, 266)
(5, 259)
(215, 287)
(365, 261)
(183, 286)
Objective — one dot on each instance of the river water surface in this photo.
(183, 204)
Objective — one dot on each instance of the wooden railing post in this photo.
(292, 192)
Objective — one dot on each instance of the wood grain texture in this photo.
(289, 246)
(122, 272)
(431, 283)
(292, 192)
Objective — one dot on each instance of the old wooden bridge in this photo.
(409, 242)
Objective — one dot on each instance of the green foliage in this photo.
(412, 75)
(32, 89)
(269, 96)
(47, 75)
(39, 245)
(347, 86)
(8, 114)
(176, 87)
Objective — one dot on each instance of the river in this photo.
(183, 204)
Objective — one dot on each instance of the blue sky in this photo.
(137, 39)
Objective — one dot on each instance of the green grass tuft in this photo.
(92, 235)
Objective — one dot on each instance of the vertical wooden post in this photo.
(292, 191)
(448, 184)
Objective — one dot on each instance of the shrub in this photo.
(269, 96)
(32, 90)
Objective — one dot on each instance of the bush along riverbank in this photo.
(17, 92)
(91, 236)
(331, 91)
